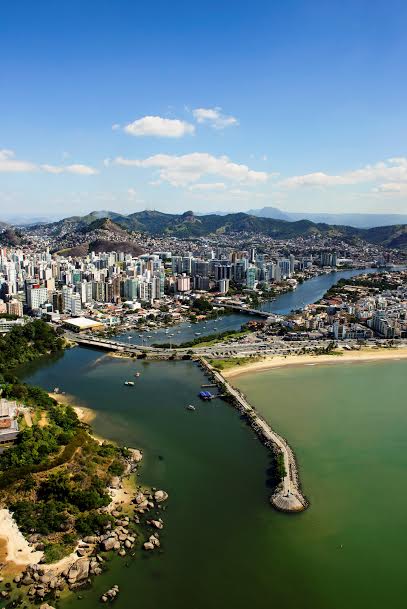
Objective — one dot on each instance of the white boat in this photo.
(191, 407)
(137, 374)
(197, 334)
(129, 383)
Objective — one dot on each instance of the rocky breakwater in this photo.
(287, 496)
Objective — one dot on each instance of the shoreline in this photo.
(15, 551)
(84, 413)
(281, 361)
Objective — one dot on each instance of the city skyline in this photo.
(297, 107)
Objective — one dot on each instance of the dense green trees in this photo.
(55, 477)
(25, 343)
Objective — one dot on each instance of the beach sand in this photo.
(278, 361)
(85, 414)
(15, 550)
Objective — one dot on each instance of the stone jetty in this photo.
(288, 496)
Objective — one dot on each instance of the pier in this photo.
(288, 496)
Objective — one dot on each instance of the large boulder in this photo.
(148, 545)
(79, 571)
(160, 496)
(91, 539)
(154, 540)
(111, 543)
(136, 454)
(157, 524)
(140, 498)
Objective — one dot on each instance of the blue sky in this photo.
(204, 106)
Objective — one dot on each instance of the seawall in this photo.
(288, 496)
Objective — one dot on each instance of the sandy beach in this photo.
(279, 361)
(15, 550)
(85, 414)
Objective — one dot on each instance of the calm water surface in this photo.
(224, 547)
(306, 293)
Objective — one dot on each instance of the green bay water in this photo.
(223, 545)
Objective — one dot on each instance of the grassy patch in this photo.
(55, 551)
(225, 364)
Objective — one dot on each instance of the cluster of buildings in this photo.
(42, 284)
(358, 310)
(102, 287)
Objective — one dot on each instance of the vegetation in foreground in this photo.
(55, 478)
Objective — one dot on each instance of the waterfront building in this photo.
(251, 275)
(223, 286)
(183, 283)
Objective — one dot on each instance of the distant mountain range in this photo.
(355, 220)
(118, 228)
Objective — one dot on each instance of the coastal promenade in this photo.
(288, 496)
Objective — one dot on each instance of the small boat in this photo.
(137, 374)
(129, 383)
(197, 334)
(191, 407)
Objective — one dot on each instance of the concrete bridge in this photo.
(240, 309)
(108, 345)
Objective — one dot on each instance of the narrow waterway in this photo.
(306, 293)
(223, 545)
(309, 291)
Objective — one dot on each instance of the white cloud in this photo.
(83, 170)
(392, 187)
(393, 170)
(115, 127)
(157, 126)
(214, 117)
(9, 164)
(76, 168)
(208, 186)
(188, 168)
